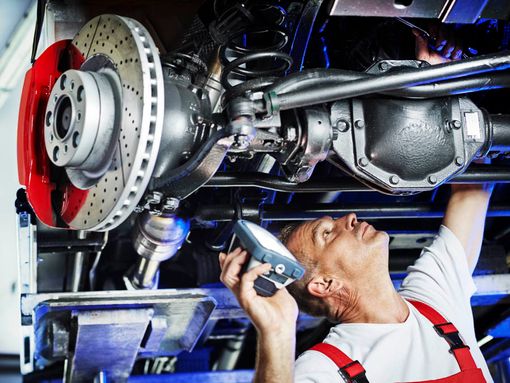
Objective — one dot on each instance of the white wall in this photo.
(11, 12)
(9, 301)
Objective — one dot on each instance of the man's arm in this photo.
(273, 317)
(275, 357)
(465, 217)
(465, 214)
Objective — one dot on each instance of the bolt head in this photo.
(171, 204)
(154, 198)
(394, 180)
(383, 66)
(291, 133)
(456, 124)
(459, 161)
(432, 179)
(342, 125)
(363, 161)
(360, 124)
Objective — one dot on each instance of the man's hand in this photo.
(465, 217)
(270, 315)
(274, 317)
(446, 47)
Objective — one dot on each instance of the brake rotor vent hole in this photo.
(63, 116)
(79, 93)
(56, 149)
(401, 4)
(48, 118)
(63, 81)
(76, 139)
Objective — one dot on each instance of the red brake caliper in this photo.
(54, 199)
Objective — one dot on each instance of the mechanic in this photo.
(382, 335)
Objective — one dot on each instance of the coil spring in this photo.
(252, 56)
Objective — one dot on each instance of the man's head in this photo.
(343, 258)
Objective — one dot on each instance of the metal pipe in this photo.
(475, 174)
(224, 213)
(156, 239)
(79, 259)
(317, 78)
(230, 354)
(95, 264)
(212, 84)
(390, 81)
(146, 273)
(500, 132)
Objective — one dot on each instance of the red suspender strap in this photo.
(353, 371)
(450, 333)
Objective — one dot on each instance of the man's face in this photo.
(345, 248)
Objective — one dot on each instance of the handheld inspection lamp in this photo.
(264, 247)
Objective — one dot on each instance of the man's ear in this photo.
(322, 287)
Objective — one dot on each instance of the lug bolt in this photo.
(394, 180)
(432, 179)
(459, 161)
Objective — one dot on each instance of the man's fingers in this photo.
(221, 258)
(238, 255)
(457, 54)
(422, 49)
(448, 49)
(232, 268)
(440, 44)
(249, 277)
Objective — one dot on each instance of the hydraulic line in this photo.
(389, 81)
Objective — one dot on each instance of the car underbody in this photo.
(147, 128)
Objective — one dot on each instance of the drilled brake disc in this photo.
(122, 45)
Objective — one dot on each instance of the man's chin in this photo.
(382, 238)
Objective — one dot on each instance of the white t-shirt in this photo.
(410, 351)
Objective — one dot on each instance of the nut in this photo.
(171, 204)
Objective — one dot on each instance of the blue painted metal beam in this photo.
(236, 376)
